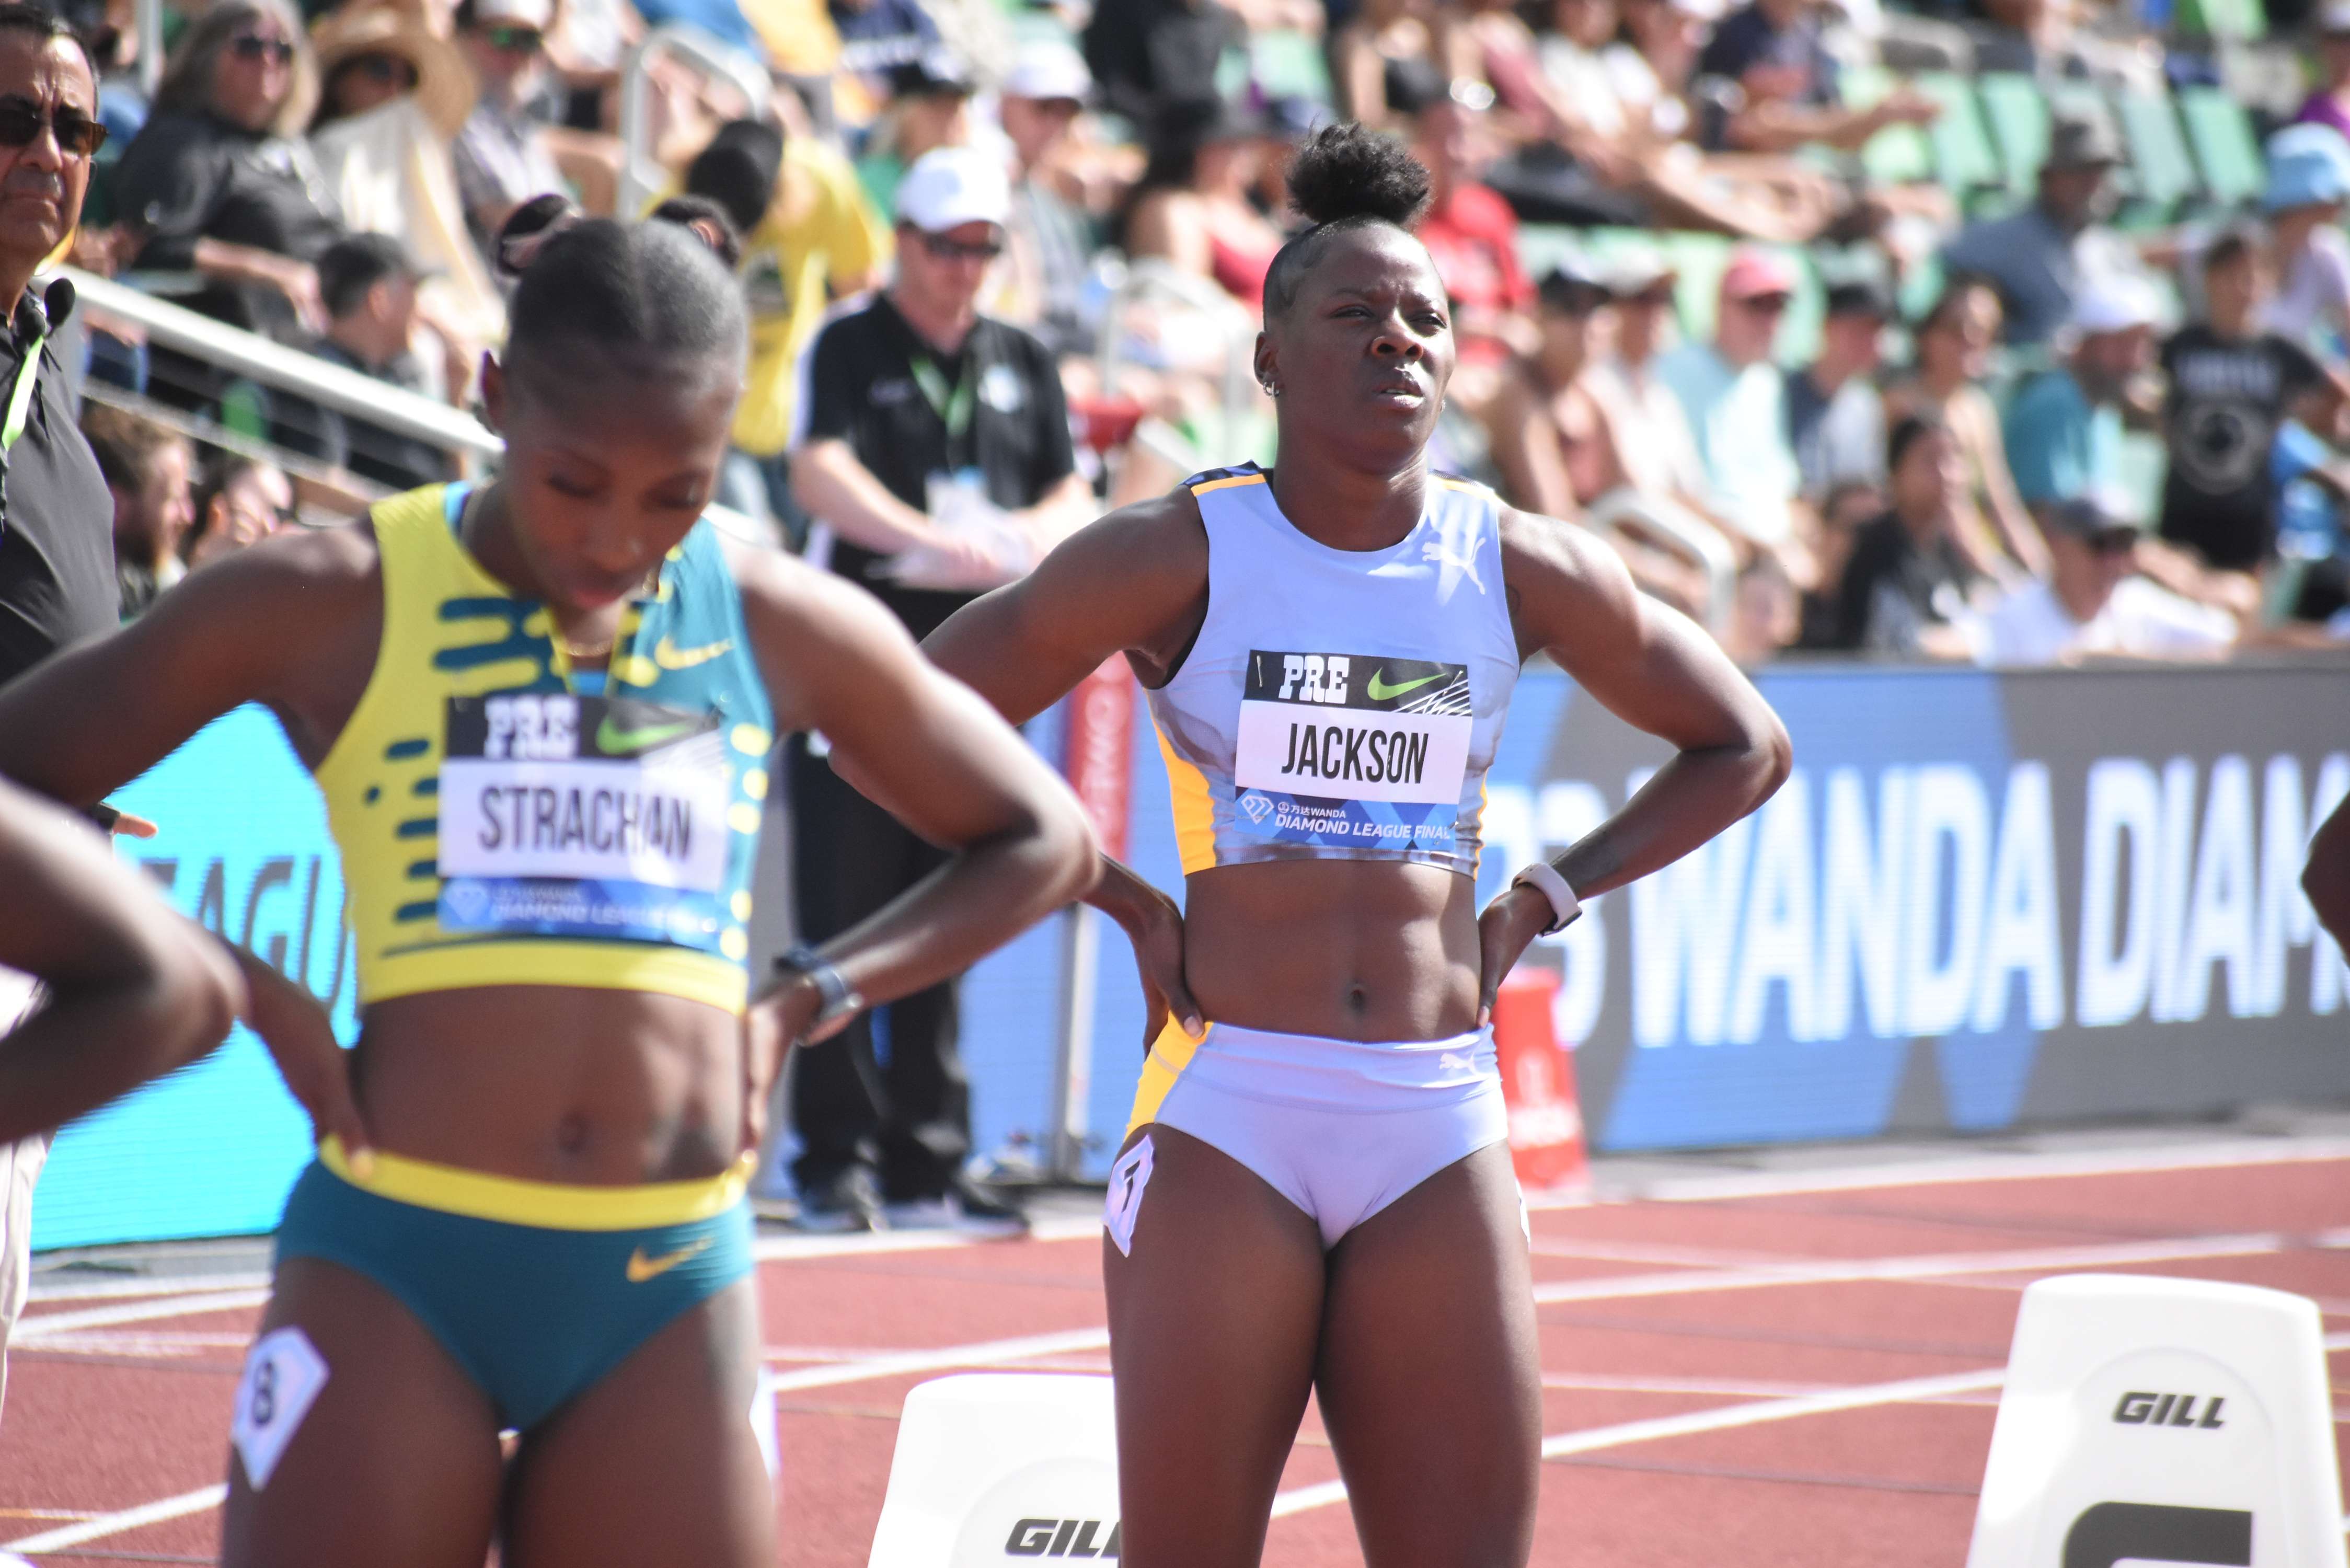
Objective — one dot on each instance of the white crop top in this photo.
(1339, 704)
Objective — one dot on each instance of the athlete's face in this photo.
(1365, 351)
(604, 477)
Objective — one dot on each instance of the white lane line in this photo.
(159, 1285)
(1937, 1172)
(49, 1326)
(1922, 1266)
(187, 1503)
(1868, 1396)
(900, 1363)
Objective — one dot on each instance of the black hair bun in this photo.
(527, 230)
(1345, 171)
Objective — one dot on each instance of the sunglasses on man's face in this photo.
(21, 120)
(948, 250)
(254, 46)
(1765, 303)
(517, 40)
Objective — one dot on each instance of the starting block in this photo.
(2162, 1420)
(993, 1467)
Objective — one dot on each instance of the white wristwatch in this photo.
(1544, 878)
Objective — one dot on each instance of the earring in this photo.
(1271, 389)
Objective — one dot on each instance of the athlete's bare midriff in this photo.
(1349, 949)
(557, 1084)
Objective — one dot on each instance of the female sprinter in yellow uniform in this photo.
(1317, 1191)
(539, 712)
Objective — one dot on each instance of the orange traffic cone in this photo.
(1538, 1084)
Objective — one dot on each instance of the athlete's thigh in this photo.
(394, 1458)
(1430, 1374)
(1212, 1321)
(656, 1461)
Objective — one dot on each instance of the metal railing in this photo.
(150, 47)
(640, 175)
(388, 407)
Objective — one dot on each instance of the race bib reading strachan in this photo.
(574, 815)
(1351, 750)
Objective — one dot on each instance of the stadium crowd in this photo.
(2011, 332)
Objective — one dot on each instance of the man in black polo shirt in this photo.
(933, 453)
(57, 519)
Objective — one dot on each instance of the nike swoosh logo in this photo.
(670, 656)
(642, 1268)
(1380, 691)
(611, 738)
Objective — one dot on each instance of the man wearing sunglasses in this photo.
(502, 155)
(2093, 601)
(933, 452)
(57, 519)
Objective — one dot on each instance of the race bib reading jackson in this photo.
(1351, 750)
(574, 815)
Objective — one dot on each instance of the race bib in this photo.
(1340, 749)
(577, 816)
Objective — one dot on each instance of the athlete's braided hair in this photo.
(634, 295)
(1344, 178)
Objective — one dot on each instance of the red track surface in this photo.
(1648, 1310)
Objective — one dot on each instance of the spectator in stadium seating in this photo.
(2043, 39)
(809, 237)
(2328, 102)
(1765, 614)
(2231, 387)
(394, 97)
(1191, 207)
(239, 500)
(370, 285)
(1374, 55)
(2040, 258)
(507, 154)
(2308, 189)
(1472, 237)
(2064, 429)
(878, 37)
(1556, 440)
(1835, 421)
(1734, 398)
(147, 468)
(1145, 53)
(1905, 590)
(1786, 81)
(2091, 603)
(1051, 239)
(930, 108)
(934, 451)
(110, 28)
(1952, 347)
(221, 184)
(1846, 510)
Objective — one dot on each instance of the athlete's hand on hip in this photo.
(316, 1067)
(775, 1021)
(1156, 928)
(1509, 923)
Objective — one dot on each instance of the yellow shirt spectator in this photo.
(820, 237)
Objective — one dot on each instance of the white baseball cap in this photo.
(1046, 68)
(2115, 304)
(952, 186)
(538, 14)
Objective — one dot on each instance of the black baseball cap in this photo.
(937, 72)
(1860, 297)
(354, 264)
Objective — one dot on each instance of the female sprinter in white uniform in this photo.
(1316, 1193)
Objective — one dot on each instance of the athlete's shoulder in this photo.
(1549, 555)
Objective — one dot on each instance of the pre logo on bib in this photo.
(578, 816)
(1351, 750)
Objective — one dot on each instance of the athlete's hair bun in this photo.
(528, 230)
(1345, 171)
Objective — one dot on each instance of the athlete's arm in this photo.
(134, 990)
(1653, 668)
(952, 771)
(1135, 582)
(2326, 879)
(279, 623)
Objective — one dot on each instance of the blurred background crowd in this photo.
(2012, 331)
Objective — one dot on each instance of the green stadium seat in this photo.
(1700, 260)
(1799, 333)
(2017, 108)
(1898, 154)
(1966, 164)
(2163, 167)
(2238, 21)
(2219, 130)
(1286, 64)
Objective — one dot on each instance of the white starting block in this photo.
(2158, 1420)
(993, 1466)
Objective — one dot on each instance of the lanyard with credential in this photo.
(20, 409)
(953, 407)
